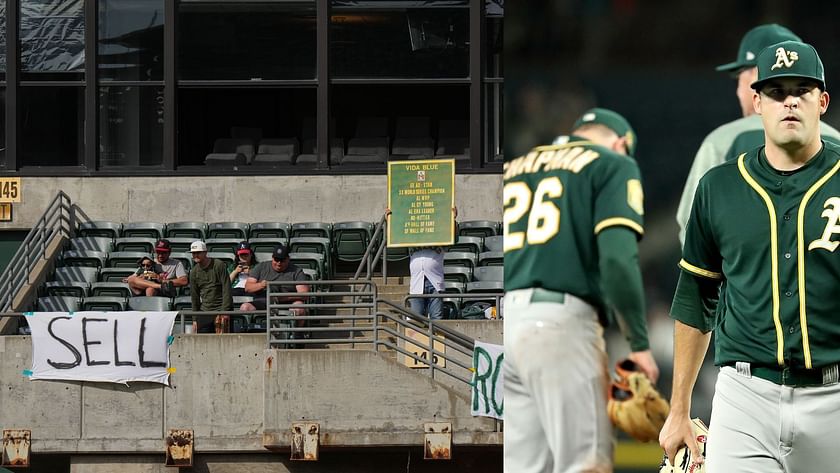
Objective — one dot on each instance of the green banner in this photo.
(421, 196)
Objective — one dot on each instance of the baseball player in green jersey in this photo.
(759, 267)
(731, 139)
(573, 214)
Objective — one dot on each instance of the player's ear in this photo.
(620, 145)
(757, 102)
(824, 99)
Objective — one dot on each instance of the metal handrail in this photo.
(435, 333)
(57, 221)
(377, 249)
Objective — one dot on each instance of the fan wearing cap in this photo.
(733, 138)
(209, 284)
(760, 267)
(170, 274)
(573, 216)
(239, 271)
(280, 268)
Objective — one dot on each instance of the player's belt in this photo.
(787, 376)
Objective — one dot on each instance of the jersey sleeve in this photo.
(701, 256)
(707, 157)
(180, 270)
(619, 198)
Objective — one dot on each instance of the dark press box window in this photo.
(407, 43)
(130, 40)
(130, 126)
(50, 126)
(246, 41)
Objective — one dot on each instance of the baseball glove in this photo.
(684, 462)
(634, 405)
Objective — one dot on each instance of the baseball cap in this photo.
(243, 248)
(163, 246)
(197, 246)
(789, 59)
(754, 41)
(280, 253)
(611, 120)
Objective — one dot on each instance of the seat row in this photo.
(371, 143)
(244, 231)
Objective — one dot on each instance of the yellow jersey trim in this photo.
(774, 257)
(564, 145)
(800, 243)
(699, 271)
(616, 221)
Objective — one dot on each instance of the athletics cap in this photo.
(244, 248)
(754, 41)
(789, 59)
(163, 246)
(198, 246)
(611, 120)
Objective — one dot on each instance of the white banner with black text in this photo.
(113, 347)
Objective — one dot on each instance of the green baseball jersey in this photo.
(726, 143)
(770, 237)
(557, 199)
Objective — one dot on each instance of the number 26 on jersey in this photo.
(543, 215)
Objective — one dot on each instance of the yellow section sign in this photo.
(5, 212)
(9, 190)
(421, 350)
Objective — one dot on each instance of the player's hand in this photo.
(388, 211)
(646, 363)
(677, 432)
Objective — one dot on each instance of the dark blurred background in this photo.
(653, 62)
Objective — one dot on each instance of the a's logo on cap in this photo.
(588, 117)
(785, 58)
(750, 56)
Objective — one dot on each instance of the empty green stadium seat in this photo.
(194, 230)
(457, 274)
(489, 273)
(467, 243)
(154, 230)
(57, 304)
(494, 243)
(76, 273)
(491, 258)
(180, 244)
(479, 228)
(110, 289)
(76, 289)
(100, 228)
(271, 230)
(103, 244)
(237, 230)
(351, 240)
(104, 303)
(266, 245)
(116, 274)
(92, 259)
(459, 258)
(312, 229)
(150, 303)
(126, 259)
(141, 244)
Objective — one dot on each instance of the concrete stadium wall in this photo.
(239, 397)
(240, 198)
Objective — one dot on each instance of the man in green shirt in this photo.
(210, 285)
(573, 214)
(759, 267)
(731, 139)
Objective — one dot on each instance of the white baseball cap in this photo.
(198, 246)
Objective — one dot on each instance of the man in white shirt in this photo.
(426, 267)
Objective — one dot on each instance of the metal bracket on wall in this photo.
(438, 441)
(16, 444)
(306, 438)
